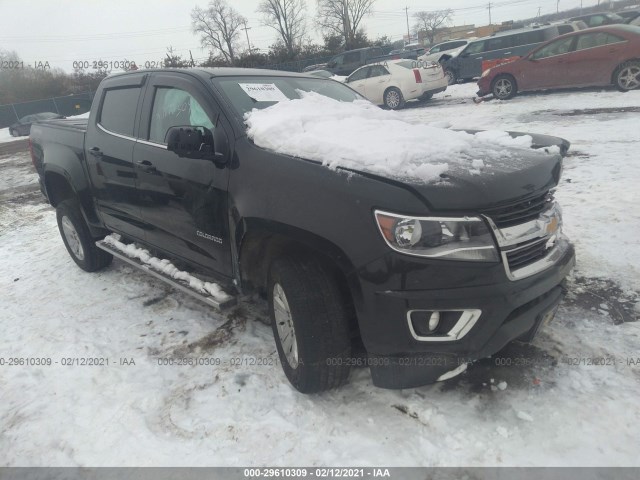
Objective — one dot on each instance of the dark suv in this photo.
(473, 60)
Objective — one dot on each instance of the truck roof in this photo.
(218, 72)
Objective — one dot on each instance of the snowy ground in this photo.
(541, 410)
(5, 136)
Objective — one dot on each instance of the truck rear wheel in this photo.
(77, 238)
(310, 318)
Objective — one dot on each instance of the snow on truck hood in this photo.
(360, 136)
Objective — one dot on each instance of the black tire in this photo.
(88, 257)
(393, 99)
(14, 133)
(451, 76)
(504, 87)
(426, 97)
(319, 316)
(627, 76)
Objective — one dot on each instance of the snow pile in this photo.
(166, 267)
(363, 137)
(5, 136)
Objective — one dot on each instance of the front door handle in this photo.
(96, 152)
(146, 166)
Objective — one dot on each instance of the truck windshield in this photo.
(247, 93)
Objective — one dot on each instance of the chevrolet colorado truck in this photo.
(411, 279)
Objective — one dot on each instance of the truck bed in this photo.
(68, 123)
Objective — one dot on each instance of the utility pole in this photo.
(558, 6)
(193, 64)
(539, 8)
(489, 7)
(246, 31)
(406, 11)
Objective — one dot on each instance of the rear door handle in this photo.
(146, 166)
(96, 152)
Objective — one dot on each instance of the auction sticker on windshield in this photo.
(263, 92)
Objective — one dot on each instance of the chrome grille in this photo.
(527, 254)
(520, 212)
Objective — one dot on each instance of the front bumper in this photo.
(510, 310)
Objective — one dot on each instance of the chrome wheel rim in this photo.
(393, 99)
(284, 325)
(629, 77)
(73, 240)
(503, 88)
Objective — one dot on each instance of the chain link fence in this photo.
(75, 104)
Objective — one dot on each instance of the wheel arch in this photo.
(59, 186)
(261, 242)
(619, 66)
(503, 75)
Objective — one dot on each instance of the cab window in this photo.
(118, 112)
(173, 107)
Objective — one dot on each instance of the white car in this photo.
(444, 51)
(394, 82)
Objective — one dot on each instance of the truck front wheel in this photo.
(76, 237)
(310, 321)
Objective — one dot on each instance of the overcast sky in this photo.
(63, 31)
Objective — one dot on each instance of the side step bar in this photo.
(165, 278)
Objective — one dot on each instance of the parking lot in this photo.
(573, 392)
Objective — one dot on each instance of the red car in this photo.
(594, 57)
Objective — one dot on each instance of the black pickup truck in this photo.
(412, 279)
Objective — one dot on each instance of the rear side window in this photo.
(378, 71)
(528, 38)
(119, 110)
(562, 29)
(592, 40)
(498, 43)
(475, 47)
(359, 74)
(597, 20)
(352, 57)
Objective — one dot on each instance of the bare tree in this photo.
(288, 18)
(219, 27)
(343, 17)
(430, 22)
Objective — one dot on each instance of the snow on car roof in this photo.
(360, 136)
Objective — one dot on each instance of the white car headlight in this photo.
(486, 72)
(445, 238)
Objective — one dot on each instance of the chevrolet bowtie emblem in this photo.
(552, 225)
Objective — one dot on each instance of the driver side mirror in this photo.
(191, 142)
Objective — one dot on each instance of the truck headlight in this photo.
(458, 238)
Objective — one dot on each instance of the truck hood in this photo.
(504, 181)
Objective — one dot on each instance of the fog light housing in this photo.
(441, 325)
